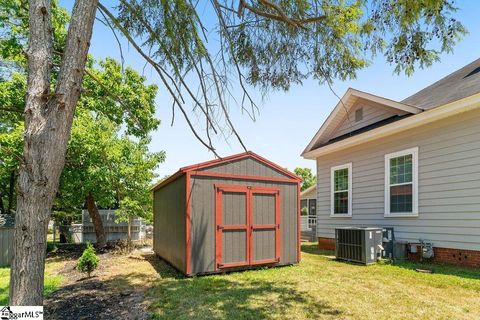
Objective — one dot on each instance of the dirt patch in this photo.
(117, 289)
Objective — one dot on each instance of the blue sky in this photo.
(287, 120)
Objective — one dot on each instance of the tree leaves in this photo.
(308, 179)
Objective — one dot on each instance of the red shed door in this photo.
(265, 226)
(232, 234)
(247, 226)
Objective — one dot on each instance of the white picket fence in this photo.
(307, 222)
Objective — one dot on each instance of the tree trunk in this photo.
(96, 220)
(48, 122)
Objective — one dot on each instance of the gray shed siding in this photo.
(371, 114)
(202, 211)
(169, 223)
(248, 166)
(449, 184)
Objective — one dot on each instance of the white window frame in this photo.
(332, 191)
(414, 153)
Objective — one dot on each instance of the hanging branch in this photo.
(160, 71)
(281, 16)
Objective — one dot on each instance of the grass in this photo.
(320, 288)
(317, 288)
(52, 281)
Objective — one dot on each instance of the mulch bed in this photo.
(93, 298)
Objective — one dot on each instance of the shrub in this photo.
(51, 246)
(304, 211)
(88, 262)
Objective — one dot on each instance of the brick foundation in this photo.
(460, 257)
(467, 258)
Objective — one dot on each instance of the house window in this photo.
(341, 194)
(304, 206)
(401, 183)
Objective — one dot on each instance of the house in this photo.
(413, 165)
(308, 209)
(7, 223)
(227, 214)
(85, 232)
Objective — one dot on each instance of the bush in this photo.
(304, 211)
(51, 246)
(88, 262)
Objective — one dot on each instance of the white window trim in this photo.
(414, 213)
(332, 189)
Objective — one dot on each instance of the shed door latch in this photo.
(219, 227)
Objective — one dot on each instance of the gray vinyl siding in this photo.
(169, 223)
(202, 206)
(449, 184)
(371, 115)
(246, 166)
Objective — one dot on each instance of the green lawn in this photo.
(52, 281)
(320, 287)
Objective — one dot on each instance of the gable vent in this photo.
(359, 114)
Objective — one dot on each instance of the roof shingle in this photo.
(457, 85)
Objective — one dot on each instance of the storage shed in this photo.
(227, 214)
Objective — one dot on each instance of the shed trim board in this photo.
(188, 222)
(239, 182)
(298, 222)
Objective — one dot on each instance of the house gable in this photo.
(369, 112)
(341, 120)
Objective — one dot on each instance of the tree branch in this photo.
(160, 71)
(115, 98)
(281, 16)
(7, 109)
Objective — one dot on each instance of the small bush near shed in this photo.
(88, 262)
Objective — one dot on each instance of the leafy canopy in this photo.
(107, 153)
(308, 178)
(209, 55)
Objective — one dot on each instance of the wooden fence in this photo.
(6, 246)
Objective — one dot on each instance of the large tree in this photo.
(105, 168)
(263, 43)
(118, 94)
